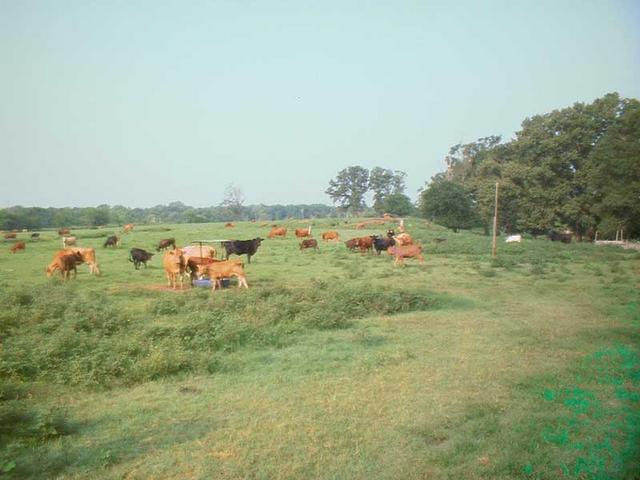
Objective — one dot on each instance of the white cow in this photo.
(514, 238)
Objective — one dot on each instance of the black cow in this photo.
(560, 237)
(241, 247)
(112, 241)
(382, 243)
(35, 236)
(166, 243)
(138, 256)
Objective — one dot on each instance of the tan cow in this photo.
(330, 235)
(277, 232)
(68, 241)
(407, 251)
(128, 227)
(226, 269)
(197, 251)
(303, 232)
(88, 256)
(403, 239)
(174, 266)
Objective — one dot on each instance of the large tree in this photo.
(349, 188)
(448, 204)
(384, 182)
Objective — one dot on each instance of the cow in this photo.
(365, 244)
(166, 243)
(17, 246)
(403, 239)
(277, 232)
(560, 237)
(9, 236)
(64, 231)
(199, 251)
(35, 236)
(401, 252)
(138, 256)
(66, 263)
(352, 244)
(174, 266)
(309, 243)
(303, 232)
(68, 241)
(216, 271)
(112, 241)
(382, 243)
(514, 239)
(229, 225)
(88, 256)
(330, 235)
(128, 227)
(241, 247)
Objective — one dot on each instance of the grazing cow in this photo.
(403, 239)
(365, 244)
(514, 239)
(174, 266)
(64, 231)
(382, 243)
(138, 256)
(17, 246)
(406, 251)
(216, 271)
(241, 247)
(352, 244)
(68, 241)
(560, 237)
(128, 227)
(309, 243)
(229, 225)
(277, 232)
(66, 263)
(330, 235)
(166, 243)
(112, 241)
(9, 236)
(88, 256)
(35, 236)
(199, 251)
(303, 232)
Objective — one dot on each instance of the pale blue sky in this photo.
(145, 102)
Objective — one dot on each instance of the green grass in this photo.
(333, 365)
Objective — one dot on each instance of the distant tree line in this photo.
(176, 212)
(577, 168)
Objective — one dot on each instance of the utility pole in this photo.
(495, 224)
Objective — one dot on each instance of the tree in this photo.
(448, 204)
(349, 188)
(384, 182)
(233, 202)
(398, 204)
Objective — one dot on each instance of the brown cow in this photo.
(64, 231)
(352, 244)
(17, 246)
(66, 263)
(309, 243)
(365, 244)
(403, 239)
(128, 227)
(166, 243)
(218, 270)
(88, 256)
(407, 251)
(229, 225)
(330, 235)
(174, 266)
(9, 236)
(303, 232)
(277, 232)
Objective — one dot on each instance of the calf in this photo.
(382, 243)
(138, 256)
(218, 270)
(309, 243)
(407, 251)
(112, 241)
(166, 243)
(174, 266)
(17, 246)
(241, 247)
(68, 241)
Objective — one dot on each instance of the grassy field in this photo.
(334, 365)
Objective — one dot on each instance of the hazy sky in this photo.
(140, 103)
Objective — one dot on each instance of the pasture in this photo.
(332, 365)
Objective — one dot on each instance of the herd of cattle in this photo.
(200, 262)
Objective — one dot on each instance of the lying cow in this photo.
(242, 247)
(514, 239)
(330, 235)
(216, 271)
(166, 243)
(138, 256)
(407, 251)
(277, 232)
(112, 241)
(309, 243)
(174, 266)
(17, 247)
(68, 241)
